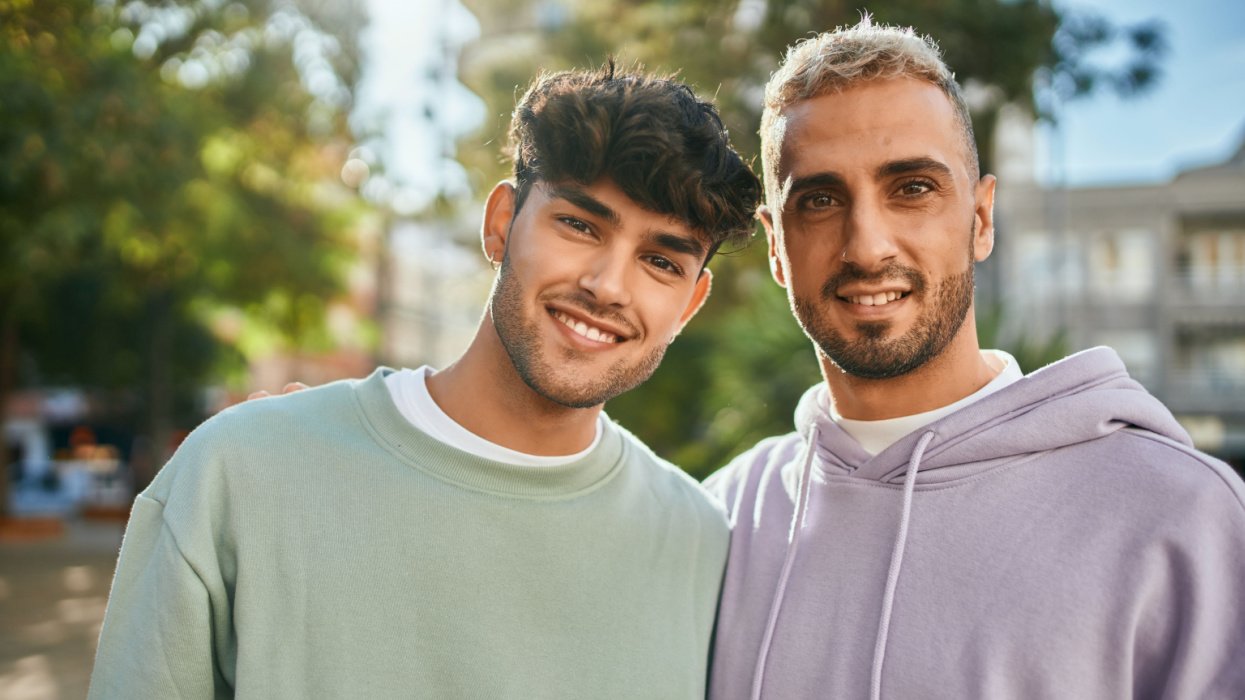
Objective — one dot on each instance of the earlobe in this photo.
(771, 238)
(983, 232)
(498, 217)
(704, 284)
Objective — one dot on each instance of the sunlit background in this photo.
(204, 198)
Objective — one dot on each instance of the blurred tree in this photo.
(164, 160)
(1003, 51)
(741, 365)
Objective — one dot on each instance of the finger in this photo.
(261, 394)
(293, 387)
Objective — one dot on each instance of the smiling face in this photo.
(875, 222)
(592, 288)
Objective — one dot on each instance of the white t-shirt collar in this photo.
(877, 435)
(409, 390)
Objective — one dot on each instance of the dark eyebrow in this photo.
(809, 182)
(670, 241)
(913, 165)
(585, 201)
(678, 244)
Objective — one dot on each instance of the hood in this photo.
(1082, 397)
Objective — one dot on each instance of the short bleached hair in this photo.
(846, 57)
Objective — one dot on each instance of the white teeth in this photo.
(878, 299)
(581, 328)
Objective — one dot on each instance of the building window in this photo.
(1121, 265)
(1213, 262)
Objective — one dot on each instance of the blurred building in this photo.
(415, 294)
(436, 281)
(1156, 271)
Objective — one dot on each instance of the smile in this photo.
(879, 299)
(583, 329)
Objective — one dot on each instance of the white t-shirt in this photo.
(409, 390)
(877, 435)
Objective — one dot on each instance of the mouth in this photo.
(877, 299)
(584, 329)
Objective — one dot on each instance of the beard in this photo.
(562, 379)
(872, 355)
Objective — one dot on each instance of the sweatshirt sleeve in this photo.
(1196, 631)
(156, 640)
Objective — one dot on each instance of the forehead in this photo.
(869, 124)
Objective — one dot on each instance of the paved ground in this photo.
(52, 598)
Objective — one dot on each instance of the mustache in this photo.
(586, 303)
(851, 272)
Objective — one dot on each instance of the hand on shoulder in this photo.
(287, 389)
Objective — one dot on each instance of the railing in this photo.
(1207, 390)
(1213, 285)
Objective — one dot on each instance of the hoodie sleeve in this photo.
(720, 484)
(1191, 637)
(728, 483)
(156, 641)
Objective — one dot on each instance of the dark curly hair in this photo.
(664, 147)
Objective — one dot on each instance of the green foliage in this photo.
(739, 368)
(165, 159)
(728, 50)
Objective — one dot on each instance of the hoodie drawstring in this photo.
(892, 576)
(793, 541)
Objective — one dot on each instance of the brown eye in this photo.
(576, 224)
(665, 264)
(914, 188)
(816, 200)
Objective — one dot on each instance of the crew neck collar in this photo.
(423, 452)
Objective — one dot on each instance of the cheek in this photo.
(807, 259)
(661, 313)
(544, 259)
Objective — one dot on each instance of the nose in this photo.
(868, 238)
(606, 278)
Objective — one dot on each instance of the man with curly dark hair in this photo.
(483, 530)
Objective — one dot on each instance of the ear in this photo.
(771, 237)
(983, 230)
(498, 215)
(701, 292)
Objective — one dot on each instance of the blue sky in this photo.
(1195, 116)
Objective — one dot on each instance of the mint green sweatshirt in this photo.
(317, 545)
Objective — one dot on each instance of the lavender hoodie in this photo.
(1057, 539)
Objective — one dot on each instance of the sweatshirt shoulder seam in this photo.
(1193, 455)
(181, 551)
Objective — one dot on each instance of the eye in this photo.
(576, 224)
(816, 201)
(665, 265)
(914, 188)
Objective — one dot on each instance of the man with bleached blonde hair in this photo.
(941, 525)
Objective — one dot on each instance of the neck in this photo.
(482, 392)
(958, 371)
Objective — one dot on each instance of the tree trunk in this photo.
(159, 391)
